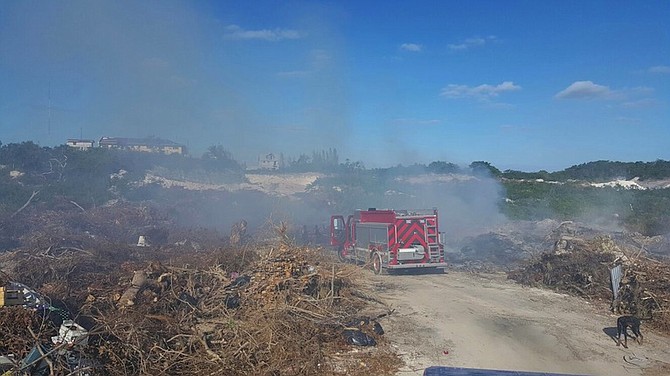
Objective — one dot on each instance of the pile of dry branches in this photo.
(582, 267)
(284, 315)
(273, 309)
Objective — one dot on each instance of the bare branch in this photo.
(26, 204)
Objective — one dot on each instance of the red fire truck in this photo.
(389, 239)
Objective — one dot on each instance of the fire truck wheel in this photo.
(377, 263)
(340, 255)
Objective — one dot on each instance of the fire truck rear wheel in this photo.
(377, 263)
(340, 255)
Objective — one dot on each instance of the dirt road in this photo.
(486, 321)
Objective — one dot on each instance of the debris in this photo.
(633, 359)
(71, 334)
(18, 294)
(188, 299)
(377, 328)
(239, 281)
(139, 281)
(358, 338)
(270, 308)
(232, 301)
(142, 241)
(583, 266)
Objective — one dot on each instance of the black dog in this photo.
(622, 324)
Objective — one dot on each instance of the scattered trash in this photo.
(185, 297)
(71, 334)
(35, 363)
(7, 363)
(43, 359)
(240, 281)
(142, 241)
(232, 301)
(358, 338)
(377, 328)
(18, 294)
(640, 361)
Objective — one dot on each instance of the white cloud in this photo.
(412, 121)
(155, 63)
(514, 128)
(482, 92)
(472, 42)
(660, 69)
(412, 47)
(237, 33)
(640, 103)
(294, 74)
(585, 90)
(641, 91)
(499, 105)
(628, 120)
(319, 59)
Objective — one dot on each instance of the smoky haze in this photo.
(467, 204)
(171, 70)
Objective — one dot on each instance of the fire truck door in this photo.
(337, 231)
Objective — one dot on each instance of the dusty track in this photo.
(486, 321)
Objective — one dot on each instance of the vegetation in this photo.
(92, 177)
(600, 171)
(218, 158)
(481, 167)
(53, 176)
(644, 211)
(319, 161)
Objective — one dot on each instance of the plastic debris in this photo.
(71, 334)
(358, 338)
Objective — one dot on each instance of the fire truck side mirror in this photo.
(441, 237)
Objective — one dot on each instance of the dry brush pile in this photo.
(581, 266)
(188, 308)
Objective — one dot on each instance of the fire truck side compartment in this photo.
(371, 236)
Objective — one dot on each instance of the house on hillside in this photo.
(268, 162)
(149, 145)
(80, 144)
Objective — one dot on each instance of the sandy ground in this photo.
(282, 185)
(486, 321)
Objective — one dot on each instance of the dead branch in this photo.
(26, 204)
(77, 205)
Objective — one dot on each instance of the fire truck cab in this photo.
(389, 239)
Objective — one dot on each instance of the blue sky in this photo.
(525, 85)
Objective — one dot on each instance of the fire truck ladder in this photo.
(432, 240)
